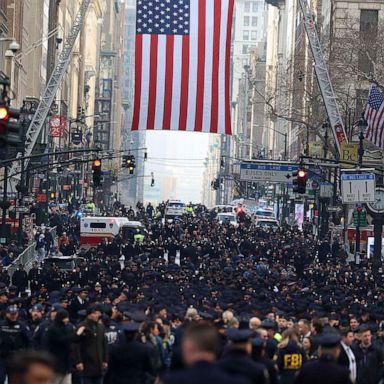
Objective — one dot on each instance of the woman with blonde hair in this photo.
(290, 356)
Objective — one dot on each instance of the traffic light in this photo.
(96, 170)
(130, 163)
(299, 181)
(10, 127)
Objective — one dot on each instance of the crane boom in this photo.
(49, 94)
(322, 75)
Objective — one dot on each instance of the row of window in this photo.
(250, 21)
(251, 6)
(249, 36)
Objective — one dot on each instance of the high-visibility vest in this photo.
(139, 237)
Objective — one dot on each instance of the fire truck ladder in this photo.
(322, 75)
(49, 95)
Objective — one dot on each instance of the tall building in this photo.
(132, 189)
(249, 36)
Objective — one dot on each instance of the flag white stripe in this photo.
(193, 57)
(222, 63)
(160, 87)
(209, 35)
(176, 85)
(145, 82)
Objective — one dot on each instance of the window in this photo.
(245, 35)
(245, 49)
(247, 6)
(254, 21)
(368, 36)
(246, 21)
(255, 6)
(98, 225)
(254, 35)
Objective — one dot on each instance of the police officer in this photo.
(13, 337)
(237, 360)
(326, 369)
(130, 361)
(199, 349)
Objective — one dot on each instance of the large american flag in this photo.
(182, 78)
(374, 115)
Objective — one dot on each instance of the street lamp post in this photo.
(362, 126)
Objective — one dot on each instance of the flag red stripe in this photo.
(380, 126)
(168, 82)
(152, 82)
(200, 67)
(228, 70)
(215, 66)
(138, 75)
(184, 85)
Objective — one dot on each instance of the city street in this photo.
(191, 192)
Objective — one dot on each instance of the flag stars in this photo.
(169, 17)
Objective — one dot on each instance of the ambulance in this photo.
(95, 229)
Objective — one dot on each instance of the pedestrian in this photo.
(40, 247)
(20, 279)
(58, 342)
(237, 361)
(31, 367)
(369, 358)
(14, 337)
(325, 369)
(290, 356)
(91, 351)
(130, 361)
(199, 349)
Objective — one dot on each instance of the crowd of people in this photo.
(196, 302)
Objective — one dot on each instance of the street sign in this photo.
(315, 149)
(363, 219)
(358, 188)
(267, 172)
(349, 152)
(326, 190)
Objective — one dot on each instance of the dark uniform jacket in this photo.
(289, 360)
(13, 337)
(324, 370)
(92, 349)
(237, 362)
(202, 373)
(129, 363)
(58, 342)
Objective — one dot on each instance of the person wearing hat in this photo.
(78, 303)
(200, 344)
(325, 369)
(35, 277)
(91, 351)
(130, 361)
(13, 337)
(20, 279)
(40, 331)
(237, 359)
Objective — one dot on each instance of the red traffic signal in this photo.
(299, 181)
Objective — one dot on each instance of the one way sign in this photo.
(358, 188)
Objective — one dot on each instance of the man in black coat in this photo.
(58, 342)
(20, 278)
(130, 362)
(369, 358)
(237, 361)
(325, 369)
(199, 348)
(91, 352)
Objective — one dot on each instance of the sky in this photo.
(181, 155)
